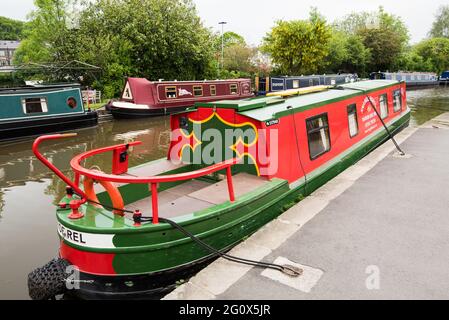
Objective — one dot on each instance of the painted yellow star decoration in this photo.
(194, 142)
(235, 147)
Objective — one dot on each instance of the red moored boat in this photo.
(143, 98)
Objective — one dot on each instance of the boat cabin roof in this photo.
(268, 108)
(39, 88)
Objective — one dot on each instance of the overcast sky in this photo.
(253, 18)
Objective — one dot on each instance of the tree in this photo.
(383, 34)
(238, 58)
(385, 47)
(48, 35)
(230, 38)
(142, 38)
(11, 29)
(440, 28)
(411, 60)
(436, 50)
(299, 46)
(347, 53)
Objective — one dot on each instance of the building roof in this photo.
(268, 108)
(8, 44)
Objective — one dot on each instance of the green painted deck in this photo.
(268, 108)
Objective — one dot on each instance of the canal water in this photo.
(29, 192)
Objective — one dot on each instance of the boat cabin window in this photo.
(213, 90)
(170, 92)
(234, 88)
(383, 102)
(34, 105)
(198, 91)
(71, 102)
(397, 101)
(352, 120)
(295, 84)
(318, 136)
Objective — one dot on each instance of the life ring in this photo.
(111, 189)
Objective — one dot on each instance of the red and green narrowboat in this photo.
(144, 98)
(232, 166)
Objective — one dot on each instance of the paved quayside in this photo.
(377, 231)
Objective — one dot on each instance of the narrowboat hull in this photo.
(130, 113)
(208, 204)
(223, 229)
(142, 98)
(10, 130)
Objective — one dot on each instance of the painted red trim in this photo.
(50, 165)
(89, 262)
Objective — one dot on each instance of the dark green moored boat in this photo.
(232, 166)
(34, 110)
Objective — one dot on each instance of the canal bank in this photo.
(377, 231)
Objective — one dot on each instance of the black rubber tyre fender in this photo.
(48, 281)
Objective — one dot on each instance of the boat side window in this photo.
(213, 90)
(397, 101)
(352, 120)
(34, 105)
(318, 136)
(234, 89)
(383, 102)
(198, 91)
(170, 92)
(295, 84)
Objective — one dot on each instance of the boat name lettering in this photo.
(70, 235)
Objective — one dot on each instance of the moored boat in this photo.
(265, 85)
(232, 166)
(412, 79)
(143, 98)
(31, 111)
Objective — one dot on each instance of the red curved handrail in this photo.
(50, 165)
(76, 166)
(153, 181)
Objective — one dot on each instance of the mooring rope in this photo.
(402, 153)
(286, 269)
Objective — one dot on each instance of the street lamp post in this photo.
(222, 43)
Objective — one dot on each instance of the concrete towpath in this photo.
(377, 231)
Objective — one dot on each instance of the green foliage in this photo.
(384, 35)
(385, 47)
(440, 28)
(238, 59)
(11, 29)
(145, 38)
(229, 39)
(299, 46)
(437, 52)
(47, 36)
(347, 54)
